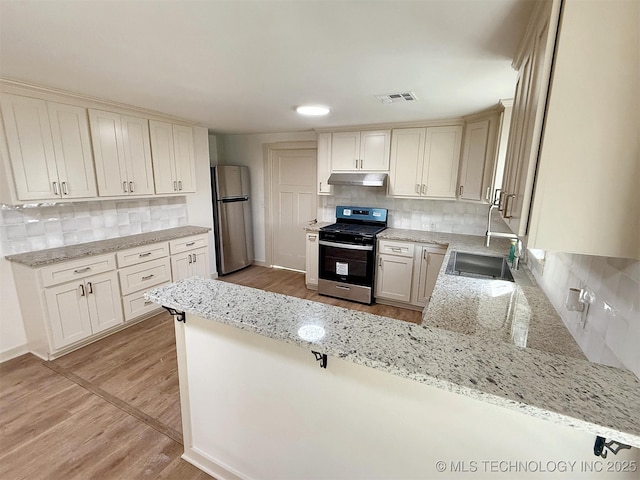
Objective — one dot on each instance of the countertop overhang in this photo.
(594, 398)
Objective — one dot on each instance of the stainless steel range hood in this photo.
(358, 179)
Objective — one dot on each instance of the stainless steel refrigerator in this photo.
(233, 229)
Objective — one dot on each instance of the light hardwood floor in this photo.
(111, 410)
(292, 283)
(53, 426)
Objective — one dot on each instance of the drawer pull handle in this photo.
(190, 244)
(396, 249)
(147, 277)
(145, 254)
(340, 287)
(82, 270)
(148, 302)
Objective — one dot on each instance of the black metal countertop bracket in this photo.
(180, 316)
(611, 445)
(320, 357)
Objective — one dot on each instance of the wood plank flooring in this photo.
(52, 428)
(292, 283)
(111, 410)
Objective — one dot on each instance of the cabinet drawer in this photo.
(145, 253)
(144, 275)
(401, 249)
(68, 271)
(135, 305)
(189, 243)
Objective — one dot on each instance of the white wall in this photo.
(609, 332)
(200, 204)
(13, 340)
(248, 150)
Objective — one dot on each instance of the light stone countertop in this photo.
(518, 313)
(594, 398)
(81, 250)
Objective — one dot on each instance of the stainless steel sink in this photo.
(479, 266)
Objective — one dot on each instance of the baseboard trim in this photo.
(13, 353)
(204, 462)
(261, 264)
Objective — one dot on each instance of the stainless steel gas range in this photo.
(348, 252)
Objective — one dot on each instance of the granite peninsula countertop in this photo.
(595, 398)
(71, 252)
(513, 312)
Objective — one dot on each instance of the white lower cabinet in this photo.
(311, 273)
(73, 302)
(427, 263)
(394, 270)
(78, 310)
(190, 257)
(406, 272)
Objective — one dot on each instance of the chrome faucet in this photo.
(519, 247)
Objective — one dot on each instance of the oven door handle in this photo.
(345, 245)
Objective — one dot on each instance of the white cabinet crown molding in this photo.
(16, 87)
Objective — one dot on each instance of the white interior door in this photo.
(294, 205)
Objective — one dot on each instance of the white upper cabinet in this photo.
(407, 161)
(366, 151)
(483, 153)
(424, 162)
(528, 111)
(587, 194)
(49, 149)
(122, 153)
(442, 156)
(173, 157)
(324, 164)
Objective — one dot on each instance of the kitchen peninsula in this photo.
(393, 399)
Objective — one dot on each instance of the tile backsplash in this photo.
(609, 331)
(26, 229)
(415, 214)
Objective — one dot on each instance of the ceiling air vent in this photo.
(397, 97)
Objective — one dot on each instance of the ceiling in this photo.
(243, 66)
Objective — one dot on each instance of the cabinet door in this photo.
(137, 154)
(441, 159)
(393, 278)
(185, 161)
(181, 266)
(72, 146)
(407, 156)
(103, 298)
(68, 313)
(345, 151)
(108, 150)
(430, 263)
(163, 155)
(26, 123)
(200, 263)
(474, 160)
(374, 150)
(324, 163)
(311, 274)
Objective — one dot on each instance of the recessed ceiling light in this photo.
(312, 110)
